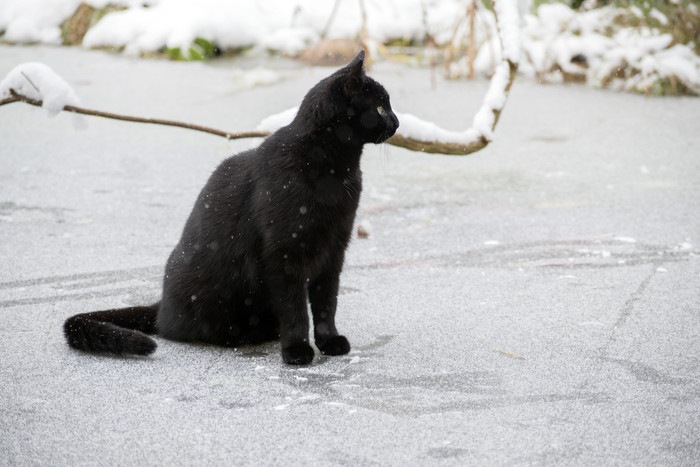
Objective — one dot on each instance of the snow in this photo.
(257, 76)
(290, 41)
(40, 20)
(548, 41)
(556, 34)
(494, 100)
(422, 130)
(276, 121)
(658, 16)
(277, 25)
(509, 24)
(39, 82)
(34, 20)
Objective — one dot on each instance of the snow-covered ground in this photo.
(557, 42)
(534, 303)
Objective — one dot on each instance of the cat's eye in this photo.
(381, 111)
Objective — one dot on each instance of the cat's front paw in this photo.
(298, 354)
(333, 345)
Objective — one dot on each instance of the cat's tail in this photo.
(121, 331)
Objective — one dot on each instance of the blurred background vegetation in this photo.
(647, 46)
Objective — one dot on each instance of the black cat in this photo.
(269, 229)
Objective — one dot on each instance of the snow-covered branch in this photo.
(419, 135)
(37, 82)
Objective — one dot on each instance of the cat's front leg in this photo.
(288, 301)
(323, 295)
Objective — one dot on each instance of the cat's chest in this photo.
(335, 188)
(311, 218)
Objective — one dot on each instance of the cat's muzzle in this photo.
(391, 123)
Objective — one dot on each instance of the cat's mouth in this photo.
(392, 124)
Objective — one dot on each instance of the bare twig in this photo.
(363, 25)
(30, 82)
(327, 27)
(430, 46)
(128, 118)
(471, 47)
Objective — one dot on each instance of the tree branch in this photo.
(128, 118)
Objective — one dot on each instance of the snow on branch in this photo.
(38, 82)
(419, 135)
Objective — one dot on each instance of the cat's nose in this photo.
(392, 124)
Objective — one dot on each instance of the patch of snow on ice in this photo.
(258, 76)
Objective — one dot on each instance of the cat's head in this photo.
(352, 105)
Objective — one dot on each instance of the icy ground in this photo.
(535, 303)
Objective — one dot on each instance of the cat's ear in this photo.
(353, 73)
(357, 63)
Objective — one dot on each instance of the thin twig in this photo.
(31, 82)
(128, 118)
(363, 25)
(327, 27)
(471, 48)
(9, 100)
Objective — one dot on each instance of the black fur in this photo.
(121, 332)
(267, 234)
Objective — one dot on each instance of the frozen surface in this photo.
(534, 303)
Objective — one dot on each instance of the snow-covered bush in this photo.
(638, 45)
(621, 48)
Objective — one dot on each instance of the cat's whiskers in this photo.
(350, 188)
(384, 153)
